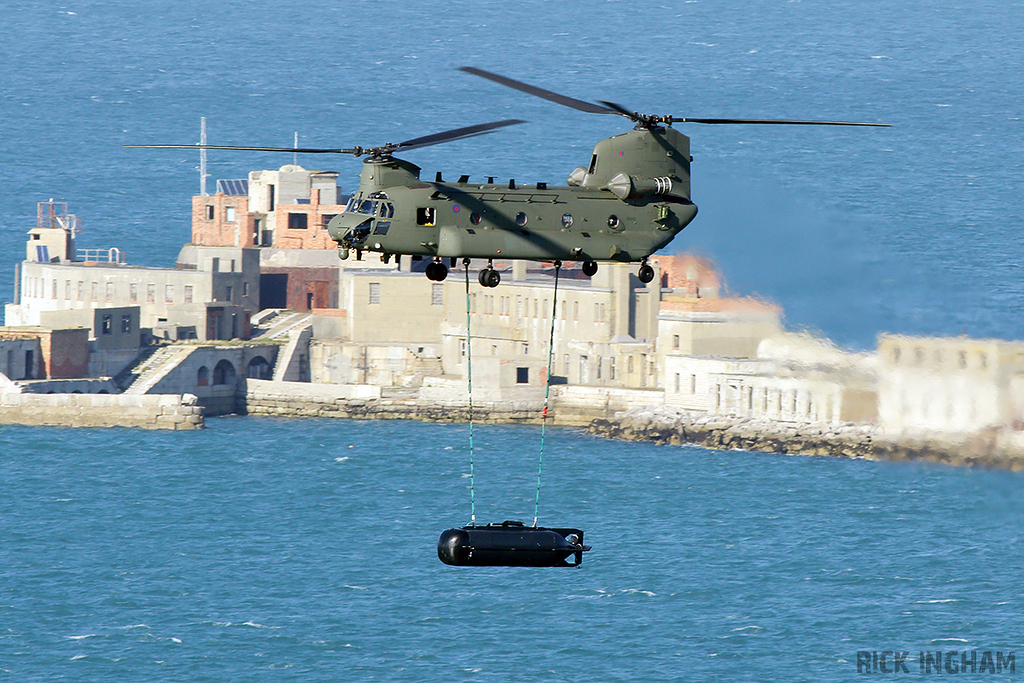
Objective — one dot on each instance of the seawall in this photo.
(147, 411)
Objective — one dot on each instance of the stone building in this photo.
(949, 384)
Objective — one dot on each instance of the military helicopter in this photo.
(630, 201)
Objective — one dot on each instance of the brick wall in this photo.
(218, 231)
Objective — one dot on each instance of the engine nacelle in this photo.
(626, 186)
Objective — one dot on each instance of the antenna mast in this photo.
(295, 155)
(203, 175)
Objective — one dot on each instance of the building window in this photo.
(67, 290)
(576, 310)
(298, 221)
(374, 293)
(95, 291)
(693, 385)
(209, 212)
(110, 291)
(126, 324)
(522, 375)
(245, 289)
(230, 293)
(133, 293)
(599, 364)
(462, 349)
(150, 293)
(611, 368)
(526, 349)
(229, 214)
(675, 341)
(54, 290)
(677, 382)
(325, 219)
(169, 294)
(106, 325)
(81, 290)
(437, 295)
(188, 294)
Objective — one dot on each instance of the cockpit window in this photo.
(368, 207)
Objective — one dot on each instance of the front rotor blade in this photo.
(619, 109)
(588, 107)
(678, 119)
(301, 150)
(456, 134)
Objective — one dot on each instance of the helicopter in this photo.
(630, 201)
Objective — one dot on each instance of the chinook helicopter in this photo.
(631, 200)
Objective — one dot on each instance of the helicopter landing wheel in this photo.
(646, 273)
(590, 268)
(489, 277)
(436, 271)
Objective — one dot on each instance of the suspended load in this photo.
(511, 544)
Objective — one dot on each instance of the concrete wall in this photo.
(101, 410)
(386, 365)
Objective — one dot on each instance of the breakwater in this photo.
(148, 411)
(997, 449)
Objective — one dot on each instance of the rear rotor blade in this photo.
(581, 105)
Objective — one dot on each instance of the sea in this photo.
(264, 549)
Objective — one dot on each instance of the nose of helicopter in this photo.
(349, 229)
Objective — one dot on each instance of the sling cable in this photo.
(510, 544)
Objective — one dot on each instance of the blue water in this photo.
(270, 550)
(274, 549)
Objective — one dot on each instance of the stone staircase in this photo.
(158, 366)
(277, 323)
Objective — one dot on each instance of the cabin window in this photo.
(613, 222)
(593, 164)
(521, 219)
(298, 221)
(425, 216)
(566, 220)
(475, 218)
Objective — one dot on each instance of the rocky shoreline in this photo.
(987, 449)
